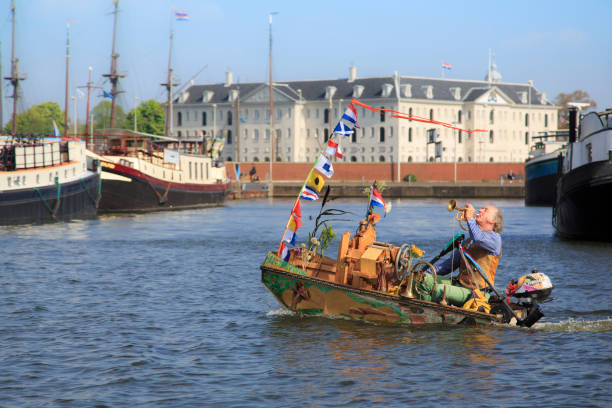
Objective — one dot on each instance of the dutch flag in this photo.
(376, 199)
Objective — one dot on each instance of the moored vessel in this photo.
(581, 210)
(542, 169)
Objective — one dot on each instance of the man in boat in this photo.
(483, 245)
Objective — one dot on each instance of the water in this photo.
(168, 309)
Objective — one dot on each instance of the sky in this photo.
(560, 45)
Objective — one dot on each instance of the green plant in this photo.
(410, 177)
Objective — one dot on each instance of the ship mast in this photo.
(169, 84)
(67, 73)
(14, 78)
(114, 76)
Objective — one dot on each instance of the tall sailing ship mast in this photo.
(14, 78)
(168, 85)
(114, 76)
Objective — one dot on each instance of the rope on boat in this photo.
(95, 201)
(52, 211)
(160, 199)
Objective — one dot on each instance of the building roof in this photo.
(416, 88)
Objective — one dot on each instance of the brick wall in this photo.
(384, 171)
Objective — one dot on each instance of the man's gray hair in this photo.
(499, 221)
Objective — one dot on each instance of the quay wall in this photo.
(466, 172)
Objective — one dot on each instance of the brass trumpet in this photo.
(460, 216)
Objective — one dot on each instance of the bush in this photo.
(410, 177)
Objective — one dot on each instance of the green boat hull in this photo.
(297, 291)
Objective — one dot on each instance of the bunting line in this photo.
(401, 115)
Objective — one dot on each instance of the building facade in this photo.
(306, 111)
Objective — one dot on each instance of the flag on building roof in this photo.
(351, 115)
(333, 149)
(376, 199)
(315, 181)
(446, 65)
(284, 252)
(181, 15)
(342, 129)
(309, 194)
(324, 166)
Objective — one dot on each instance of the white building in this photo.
(509, 113)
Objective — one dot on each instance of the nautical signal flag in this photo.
(309, 194)
(351, 115)
(107, 94)
(315, 181)
(342, 129)
(376, 199)
(284, 252)
(291, 232)
(56, 131)
(333, 149)
(324, 166)
(297, 211)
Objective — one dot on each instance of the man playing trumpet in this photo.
(484, 246)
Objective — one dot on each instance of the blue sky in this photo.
(560, 45)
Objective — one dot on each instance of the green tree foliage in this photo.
(151, 118)
(38, 120)
(101, 115)
(563, 99)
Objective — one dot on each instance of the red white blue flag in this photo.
(181, 15)
(351, 115)
(309, 194)
(376, 199)
(446, 65)
(284, 252)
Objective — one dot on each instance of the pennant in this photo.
(56, 131)
(290, 237)
(351, 115)
(376, 199)
(341, 129)
(181, 15)
(297, 211)
(284, 252)
(107, 95)
(315, 181)
(324, 166)
(309, 194)
(333, 149)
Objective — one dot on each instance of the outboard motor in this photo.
(530, 290)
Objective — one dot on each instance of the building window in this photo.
(490, 136)
(353, 159)
(325, 135)
(256, 114)
(409, 159)
(491, 159)
(491, 117)
(409, 134)
(410, 113)
(459, 137)
(267, 134)
(526, 138)
(382, 134)
(203, 118)
(382, 114)
(229, 118)
(526, 119)
(354, 136)
(459, 116)
(431, 114)
(229, 137)
(256, 134)
(326, 115)
(381, 158)
(179, 121)
(546, 120)
(179, 134)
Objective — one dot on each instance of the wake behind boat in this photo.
(140, 173)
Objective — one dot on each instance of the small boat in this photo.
(379, 282)
(46, 181)
(541, 169)
(146, 174)
(581, 207)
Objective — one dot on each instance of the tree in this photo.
(101, 115)
(151, 118)
(38, 120)
(563, 99)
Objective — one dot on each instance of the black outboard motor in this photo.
(529, 290)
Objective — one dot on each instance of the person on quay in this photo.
(484, 245)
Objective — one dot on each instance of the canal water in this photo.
(167, 309)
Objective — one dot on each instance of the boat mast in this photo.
(67, 72)
(169, 84)
(271, 102)
(14, 78)
(114, 76)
